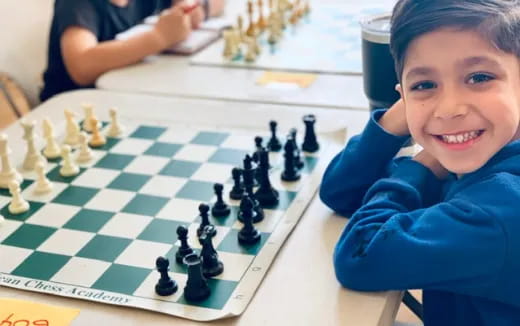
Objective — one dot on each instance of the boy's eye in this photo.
(479, 78)
(423, 86)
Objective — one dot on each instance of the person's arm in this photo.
(86, 59)
(364, 160)
(395, 241)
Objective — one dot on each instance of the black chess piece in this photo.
(204, 219)
(258, 148)
(297, 154)
(196, 288)
(220, 208)
(310, 143)
(165, 286)
(238, 190)
(274, 144)
(185, 249)
(265, 194)
(249, 171)
(248, 234)
(290, 172)
(211, 265)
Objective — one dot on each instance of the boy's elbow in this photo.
(81, 76)
(351, 275)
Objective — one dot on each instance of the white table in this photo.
(292, 292)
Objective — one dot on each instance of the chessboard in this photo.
(98, 235)
(327, 40)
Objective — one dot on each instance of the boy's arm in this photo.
(395, 241)
(364, 160)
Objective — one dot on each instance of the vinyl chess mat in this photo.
(97, 235)
(327, 41)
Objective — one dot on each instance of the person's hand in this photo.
(216, 7)
(197, 16)
(431, 163)
(394, 120)
(173, 26)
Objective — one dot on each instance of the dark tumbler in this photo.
(379, 77)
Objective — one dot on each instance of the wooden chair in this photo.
(13, 102)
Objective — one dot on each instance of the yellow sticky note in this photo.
(302, 80)
(25, 313)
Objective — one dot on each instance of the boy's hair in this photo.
(498, 21)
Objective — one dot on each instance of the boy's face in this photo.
(462, 97)
(120, 3)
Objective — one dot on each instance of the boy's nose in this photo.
(451, 105)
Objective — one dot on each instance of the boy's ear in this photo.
(399, 89)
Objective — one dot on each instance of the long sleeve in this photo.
(396, 241)
(364, 160)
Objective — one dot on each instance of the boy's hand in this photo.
(197, 17)
(431, 163)
(216, 7)
(394, 120)
(173, 26)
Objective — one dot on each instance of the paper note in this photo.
(25, 313)
(302, 80)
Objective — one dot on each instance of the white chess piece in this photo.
(72, 129)
(68, 168)
(85, 153)
(89, 116)
(43, 184)
(52, 150)
(33, 155)
(2, 220)
(18, 205)
(115, 128)
(251, 50)
(8, 172)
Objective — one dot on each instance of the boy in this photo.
(447, 220)
(82, 45)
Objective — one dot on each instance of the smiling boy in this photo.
(446, 220)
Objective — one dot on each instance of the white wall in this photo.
(23, 41)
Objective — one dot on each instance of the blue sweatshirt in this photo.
(458, 240)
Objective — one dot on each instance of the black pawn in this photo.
(258, 148)
(166, 286)
(290, 172)
(248, 234)
(274, 144)
(238, 190)
(196, 288)
(220, 208)
(310, 143)
(184, 249)
(211, 265)
(248, 173)
(266, 194)
(297, 154)
(204, 219)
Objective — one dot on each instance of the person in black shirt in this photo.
(82, 45)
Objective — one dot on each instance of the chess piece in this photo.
(229, 47)
(251, 53)
(297, 154)
(310, 143)
(306, 8)
(220, 208)
(248, 174)
(184, 249)
(8, 172)
(72, 129)
(240, 27)
(204, 220)
(211, 265)
(43, 184)
(115, 129)
(166, 286)
(238, 190)
(33, 156)
(274, 144)
(97, 139)
(248, 234)
(90, 116)
(2, 220)
(265, 194)
(85, 153)
(68, 168)
(52, 150)
(262, 23)
(18, 205)
(196, 288)
(290, 172)
(251, 29)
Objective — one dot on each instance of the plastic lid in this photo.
(376, 28)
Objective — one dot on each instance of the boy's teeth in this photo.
(460, 138)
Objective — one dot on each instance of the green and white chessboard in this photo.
(97, 235)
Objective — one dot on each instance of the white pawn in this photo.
(8, 172)
(43, 185)
(251, 50)
(89, 116)
(18, 205)
(52, 150)
(33, 156)
(72, 129)
(68, 168)
(115, 129)
(85, 153)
